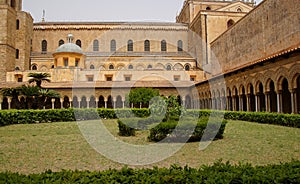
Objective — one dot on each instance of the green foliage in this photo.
(142, 95)
(186, 129)
(289, 120)
(38, 78)
(219, 172)
(127, 128)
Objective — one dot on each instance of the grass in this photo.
(35, 148)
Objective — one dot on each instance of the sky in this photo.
(104, 10)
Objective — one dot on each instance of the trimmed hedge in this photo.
(289, 120)
(188, 130)
(8, 117)
(217, 173)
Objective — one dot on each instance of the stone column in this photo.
(97, 101)
(61, 103)
(234, 103)
(123, 103)
(88, 102)
(105, 104)
(267, 99)
(71, 103)
(248, 102)
(279, 102)
(257, 104)
(294, 101)
(52, 102)
(79, 103)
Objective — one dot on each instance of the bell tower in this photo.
(13, 23)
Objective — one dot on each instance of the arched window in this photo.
(17, 24)
(113, 46)
(44, 46)
(239, 10)
(78, 42)
(34, 67)
(187, 67)
(17, 53)
(17, 68)
(130, 67)
(163, 45)
(208, 8)
(169, 67)
(230, 23)
(149, 66)
(61, 42)
(179, 45)
(147, 45)
(52, 66)
(92, 67)
(130, 45)
(96, 45)
(111, 67)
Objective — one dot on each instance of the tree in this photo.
(38, 78)
(45, 94)
(142, 96)
(13, 93)
(29, 92)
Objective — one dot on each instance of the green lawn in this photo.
(34, 148)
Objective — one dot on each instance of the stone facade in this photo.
(219, 54)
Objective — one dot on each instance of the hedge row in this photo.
(8, 117)
(290, 120)
(217, 173)
(188, 130)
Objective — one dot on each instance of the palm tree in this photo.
(13, 93)
(45, 94)
(38, 78)
(29, 92)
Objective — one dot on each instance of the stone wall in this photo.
(272, 27)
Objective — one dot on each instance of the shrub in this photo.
(205, 128)
(216, 173)
(127, 127)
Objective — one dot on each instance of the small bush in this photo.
(128, 127)
(205, 128)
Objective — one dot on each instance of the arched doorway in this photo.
(57, 104)
(75, 102)
(244, 100)
(252, 99)
(66, 103)
(261, 98)
(101, 103)
(119, 103)
(273, 97)
(188, 102)
(83, 103)
(286, 97)
(236, 100)
(92, 103)
(109, 102)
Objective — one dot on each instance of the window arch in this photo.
(169, 67)
(111, 67)
(230, 23)
(239, 10)
(44, 46)
(78, 42)
(179, 45)
(17, 53)
(130, 67)
(208, 8)
(92, 67)
(17, 24)
(96, 45)
(17, 68)
(61, 42)
(34, 67)
(163, 45)
(147, 45)
(149, 67)
(113, 46)
(130, 45)
(187, 67)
